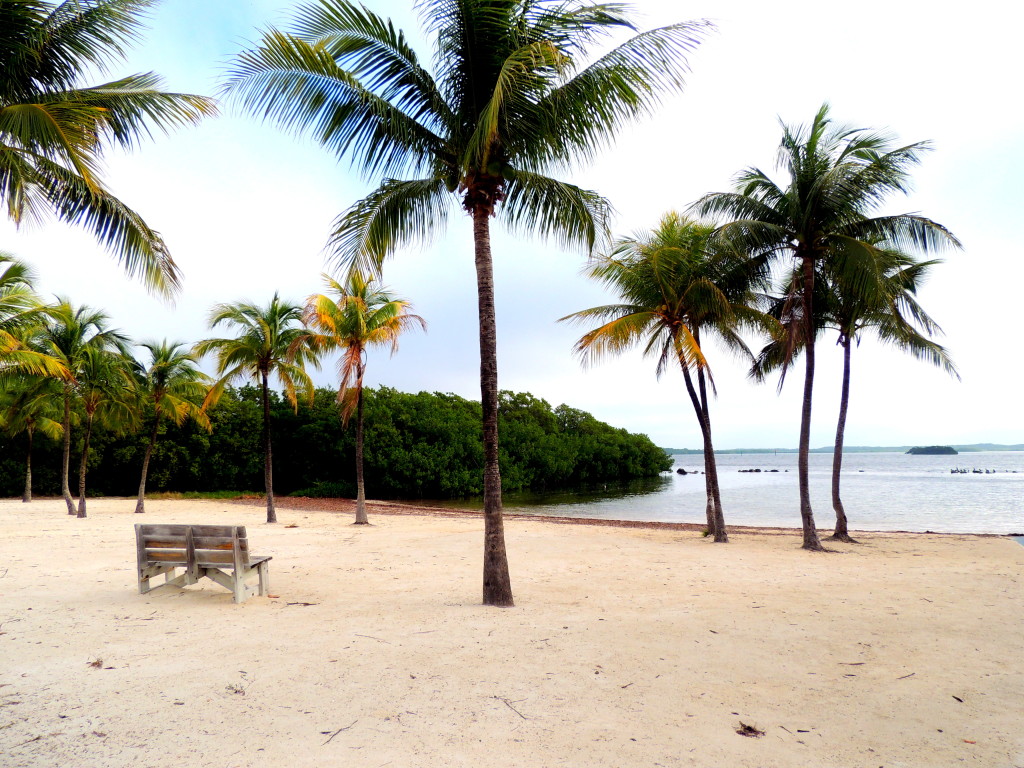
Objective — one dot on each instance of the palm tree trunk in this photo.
(841, 532)
(497, 583)
(82, 467)
(711, 464)
(26, 497)
(361, 518)
(65, 465)
(140, 505)
(268, 473)
(810, 532)
(716, 522)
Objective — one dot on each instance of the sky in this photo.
(246, 211)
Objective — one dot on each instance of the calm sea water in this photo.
(881, 492)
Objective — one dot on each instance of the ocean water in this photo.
(880, 491)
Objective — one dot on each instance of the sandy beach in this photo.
(627, 647)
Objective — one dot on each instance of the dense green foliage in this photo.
(425, 445)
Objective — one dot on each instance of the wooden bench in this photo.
(219, 552)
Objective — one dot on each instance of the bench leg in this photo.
(238, 581)
(264, 573)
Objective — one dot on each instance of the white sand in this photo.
(627, 647)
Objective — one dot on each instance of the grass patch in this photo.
(177, 495)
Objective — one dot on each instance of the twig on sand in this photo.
(371, 637)
(508, 704)
(906, 676)
(302, 603)
(339, 731)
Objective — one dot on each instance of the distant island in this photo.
(974, 448)
(933, 450)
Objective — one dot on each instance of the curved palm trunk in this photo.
(140, 505)
(715, 517)
(26, 497)
(361, 518)
(806, 515)
(841, 532)
(82, 466)
(497, 583)
(65, 464)
(711, 466)
(268, 474)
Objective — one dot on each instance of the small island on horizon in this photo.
(933, 450)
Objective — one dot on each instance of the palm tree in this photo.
(838, 179)
(269, 342)
(176, 388)
(54, 129)
(515, 94)
(358, 314)
(106, 390)
(70, 334)
(860, 291)
(676, 289)
(28, 404)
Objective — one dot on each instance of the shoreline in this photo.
(341, 505)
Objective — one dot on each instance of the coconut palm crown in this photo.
(513, 94)
(54, 129)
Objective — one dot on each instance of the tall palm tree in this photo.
(856, 292)
(176, 388)
(54, 129)
(106, 389)
(676, 290)
(29, 403)
(269, 341)
(358, 313)
(838, 179)
(69, 334)
(515, 92)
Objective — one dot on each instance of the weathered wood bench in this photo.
(218, 552)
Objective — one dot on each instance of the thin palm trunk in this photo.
(497, 583)
(806, 514)
(65, 465)
(26, 497)
(82, 466)
(713, 509)
(841, 532)
(711, 465)
(140, 505)
(268, 474)
(361, 518)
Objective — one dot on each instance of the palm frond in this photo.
(397, 213)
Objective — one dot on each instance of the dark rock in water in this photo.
(775, 470)
(933, 450)
(681, 471)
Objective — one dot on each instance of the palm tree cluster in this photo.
(517, 91)
(837, 264)
(63, 366)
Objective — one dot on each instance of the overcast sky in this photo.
(246, 211)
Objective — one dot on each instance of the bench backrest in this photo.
(212, 545)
